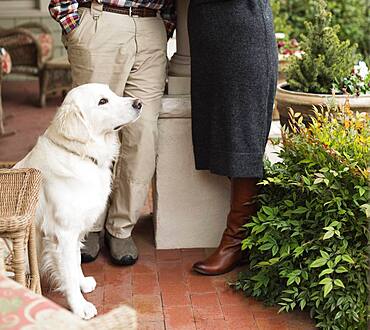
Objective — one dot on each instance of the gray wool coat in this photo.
(233, 82)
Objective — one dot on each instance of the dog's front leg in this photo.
(88, 283)
(69, 276)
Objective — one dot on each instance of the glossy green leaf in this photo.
(326, 272)
(327, 288)
(339, 283)
(318, 263)
(326, 281)
(347, 258)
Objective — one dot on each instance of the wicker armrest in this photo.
(7, 33)
(10, 32)
(19, 191)
(11, 224)
(30, 31)
(25, 29)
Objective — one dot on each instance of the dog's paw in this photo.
(88, 284)
(85, 310)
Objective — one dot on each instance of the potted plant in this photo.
(326, 64)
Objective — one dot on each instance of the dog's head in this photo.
(93, 109)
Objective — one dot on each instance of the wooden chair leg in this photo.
(5, 134)
(32, 257)
(2, 129)
(18, 259)
(43, 83)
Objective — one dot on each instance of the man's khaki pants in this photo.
(128, 54)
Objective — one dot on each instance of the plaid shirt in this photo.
(65, 12)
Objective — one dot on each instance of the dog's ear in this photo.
(70, 123)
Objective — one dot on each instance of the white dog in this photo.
(74, 156)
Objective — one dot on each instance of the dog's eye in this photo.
(103, 101)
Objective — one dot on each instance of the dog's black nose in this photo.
(137, 104)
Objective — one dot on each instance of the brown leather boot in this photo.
(229, 254)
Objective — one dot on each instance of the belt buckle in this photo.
(130, 13)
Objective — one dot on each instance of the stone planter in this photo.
(283, 62)
(303, 102)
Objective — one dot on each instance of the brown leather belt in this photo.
(130, 11)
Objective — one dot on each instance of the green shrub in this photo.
(325, 58)
(353, 16)
(309, 242)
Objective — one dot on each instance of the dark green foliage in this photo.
(353, 17)
(309, 242)
(325, 60)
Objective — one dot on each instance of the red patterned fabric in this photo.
(5, 61)
(46, 42)
(21, 308)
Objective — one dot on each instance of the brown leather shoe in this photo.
(229, 254)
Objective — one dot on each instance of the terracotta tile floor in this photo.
(160, 286)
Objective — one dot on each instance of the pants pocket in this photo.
(86, 25)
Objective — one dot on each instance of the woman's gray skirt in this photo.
(234, 71)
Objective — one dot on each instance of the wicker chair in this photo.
(19, 191)
(30, 46)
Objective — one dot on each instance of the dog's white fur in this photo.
(74, 156)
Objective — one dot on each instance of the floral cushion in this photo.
(5, 61)
(20, 308)
(46, 42)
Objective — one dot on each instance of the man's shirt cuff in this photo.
(69, 22)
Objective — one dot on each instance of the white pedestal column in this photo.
(179, 69)
(190, 207)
